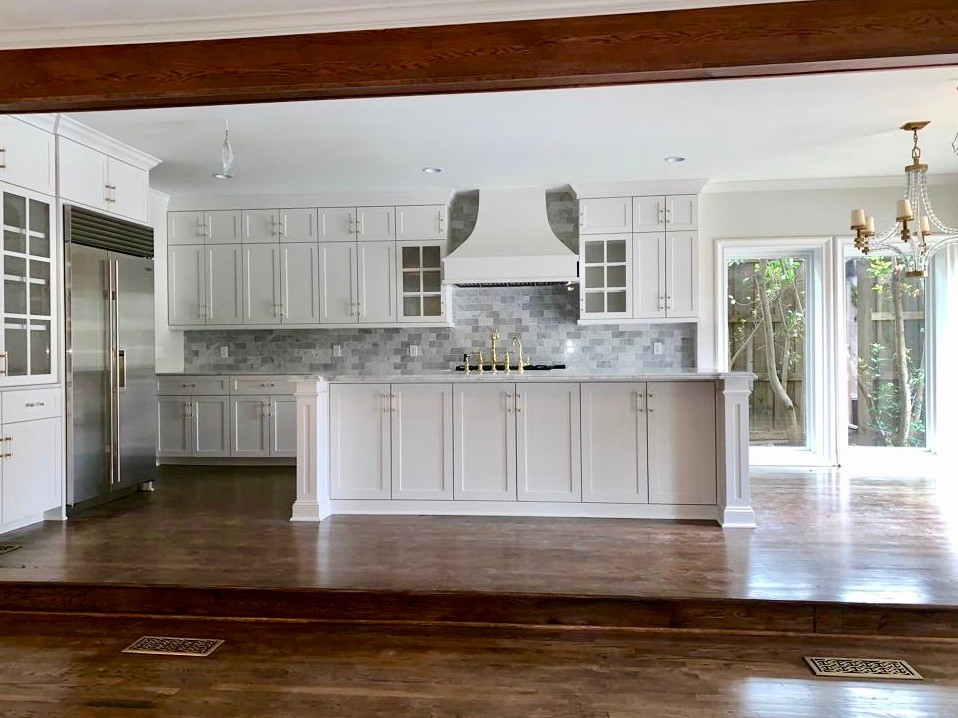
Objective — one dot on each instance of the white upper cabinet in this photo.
(262, 303)
(337, 283)
(217, 227)
(648, 213)
(649, 275)
(186, 281)
(94, 179)
(337, 224)
(421, 222)
(681, 274)
(376, 282)
(261, 226)
(299, 274)
(224, 284)
(605, 215)
(375, 224)
(605, 283)
(27, 156)
(681, 212)
(659, 213)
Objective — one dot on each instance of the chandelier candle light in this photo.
(921, 233)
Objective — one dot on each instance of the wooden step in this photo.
(482, 608)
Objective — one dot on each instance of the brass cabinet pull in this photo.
(8, 454)
(3, 371)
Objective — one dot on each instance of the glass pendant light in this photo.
(226, 156)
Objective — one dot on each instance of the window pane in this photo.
(39, 218)
(410, 281)
(15, 335)
(432, 306)
(594, 277)
(617, 302)
(410, 257)
(40, 288)
(616, 277)
(594, 302)
(885, 326)
(431, 257)
(766, 313)
(40, 348)
(411, 307)
(431, 281)
(15, 285)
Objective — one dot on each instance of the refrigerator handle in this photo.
(113, 279)
(121, 368)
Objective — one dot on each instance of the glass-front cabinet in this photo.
(421, 297)
(28, 305)
(605, 285)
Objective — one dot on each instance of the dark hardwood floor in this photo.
(62, 666)
(821, 537)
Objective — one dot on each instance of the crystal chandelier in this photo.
(918, 234)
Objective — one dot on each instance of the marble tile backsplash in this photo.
(544, 318)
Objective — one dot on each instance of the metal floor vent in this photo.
(165, 646)
(862, 668)
(8, 547)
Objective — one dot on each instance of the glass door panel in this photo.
(605, 276)
(28, 277)
(767, 335)
(885, 344)
(421, 281)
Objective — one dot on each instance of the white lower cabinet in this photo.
(391, 441)
(421, 440)
(484, 442)
(193, 426)
(359, 436)
(30, 474)
(615, 463)
(517, 441)
(263, 426)
(681, 435)
(548, 464)
(649, 443)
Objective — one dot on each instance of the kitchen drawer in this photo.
(30, 404)
(245, 385)
(187, 385)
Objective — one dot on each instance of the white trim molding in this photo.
(821, 392)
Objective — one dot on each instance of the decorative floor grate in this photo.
(862, 668)
(165, 646)
(8, 547)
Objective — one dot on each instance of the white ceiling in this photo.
(46, 23)
(821, 126)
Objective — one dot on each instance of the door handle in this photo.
(121, 368)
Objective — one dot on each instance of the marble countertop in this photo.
(452, 376)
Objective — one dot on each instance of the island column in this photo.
(312, 450)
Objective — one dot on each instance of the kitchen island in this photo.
(670, 444)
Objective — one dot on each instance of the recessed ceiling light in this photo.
(432, 170)
(674, 159)
(221, 176)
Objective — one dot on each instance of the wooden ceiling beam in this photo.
(736, 41)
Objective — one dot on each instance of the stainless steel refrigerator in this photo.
(110, 369)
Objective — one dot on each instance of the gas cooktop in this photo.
(513, 367)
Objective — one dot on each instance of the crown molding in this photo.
(195, 201)
(340, 17)
(587, 190)
(78, 132)
(784, 185)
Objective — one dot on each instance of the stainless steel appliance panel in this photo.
(134, 370)
(88, 383)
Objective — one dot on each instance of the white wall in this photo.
(169, 344)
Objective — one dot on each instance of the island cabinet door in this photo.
(682, 457)
(421, 441)
(548, 464)
(614, 458)
(359, 456)
(484, 442)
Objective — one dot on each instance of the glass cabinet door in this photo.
(606, 292)
(28, 299)
(420, 281)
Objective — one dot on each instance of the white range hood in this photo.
(512, 243)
